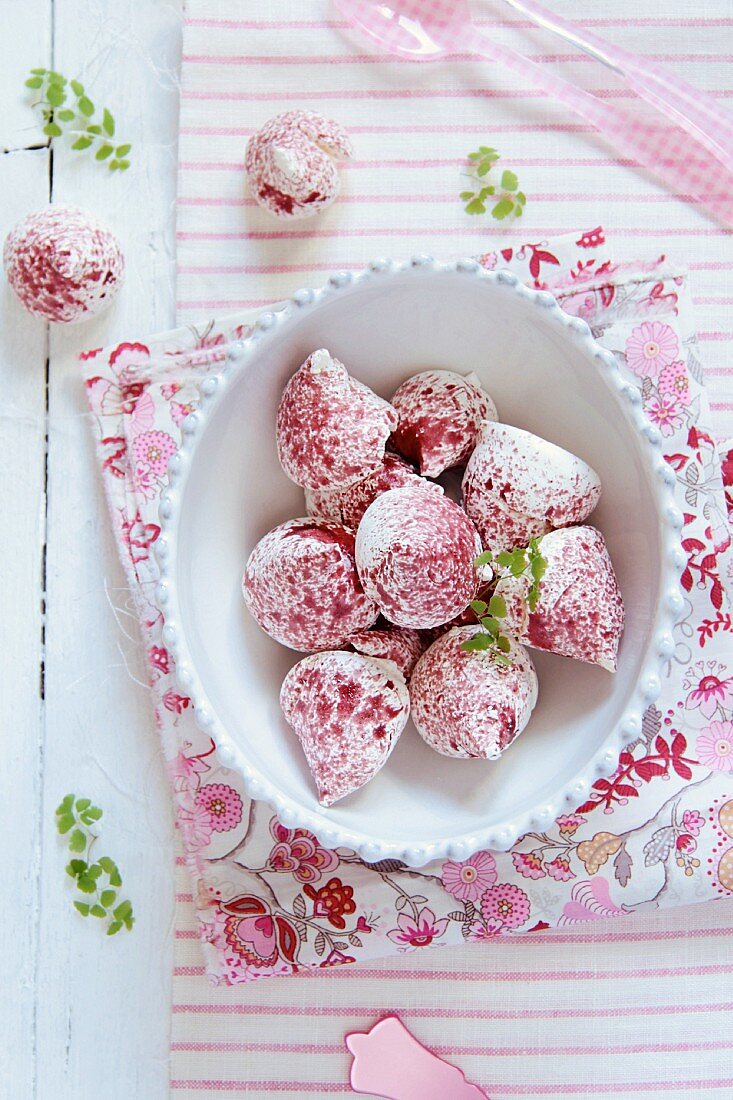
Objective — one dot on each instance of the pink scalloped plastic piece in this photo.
(390, 1062)
(347, 711)
(580, 612)
(301, 585)
(415, 554)
(63, 264)
(331, 429)
(467, 704)
(290, 163)
(348, 505)
(441, 413)
(518, 485)
(391, 643)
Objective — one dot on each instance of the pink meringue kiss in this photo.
(63, 264)
(290, 163)
(466, 704)
(414, 554)
(331, 429)
(301, 585)
(391, 643)
(579, 612)
(518, 486)
(347, 711)
(348, 505)
(441, 413)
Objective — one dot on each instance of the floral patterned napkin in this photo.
(659, 831)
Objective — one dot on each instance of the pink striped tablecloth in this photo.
(622, 1010)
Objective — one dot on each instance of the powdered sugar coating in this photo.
(290, 163)
(441, 413)
(580, 612)
(348, 712)
(530, 475)
(468, 705)
(301, 585)
(63, 264)
(500, 527)
(331, 429)
(348, 505)
(391, 643)
(415, 554)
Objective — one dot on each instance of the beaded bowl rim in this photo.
(647, 685)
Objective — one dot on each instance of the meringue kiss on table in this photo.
(291, 163)
(408, 601)
(63, 264)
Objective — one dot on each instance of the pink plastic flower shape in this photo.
(666, 412)
(420, 932)
(507, 903)
(651, 347)
(674, 379)
(715, 746)
(529, 864)
(468, 880)
(710, 693)
(298, 852)
(223, 805)
(154, 449)
(692, 822)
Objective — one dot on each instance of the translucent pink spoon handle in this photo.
(686, 166)
(691, 108)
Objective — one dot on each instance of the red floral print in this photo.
(298, 852)
(333, 901)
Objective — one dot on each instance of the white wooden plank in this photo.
(25, 43)
(24, 185)
(103, 1009)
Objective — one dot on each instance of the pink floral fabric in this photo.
(659, 831)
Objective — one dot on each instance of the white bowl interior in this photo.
(541, 379)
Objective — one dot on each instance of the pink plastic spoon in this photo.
(427, 30)
(693, 109)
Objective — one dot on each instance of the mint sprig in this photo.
(520, 562)
(98, 881)
(67, 109)
(527, 562)
(490, 639)
(506, 198)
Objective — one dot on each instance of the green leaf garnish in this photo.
(99, 881)
(497, 607)
(520, 562)
(509, 181)
(510, 200)
(63, 114)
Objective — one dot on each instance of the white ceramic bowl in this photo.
(546, 374)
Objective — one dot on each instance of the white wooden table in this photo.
(80, 1015)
